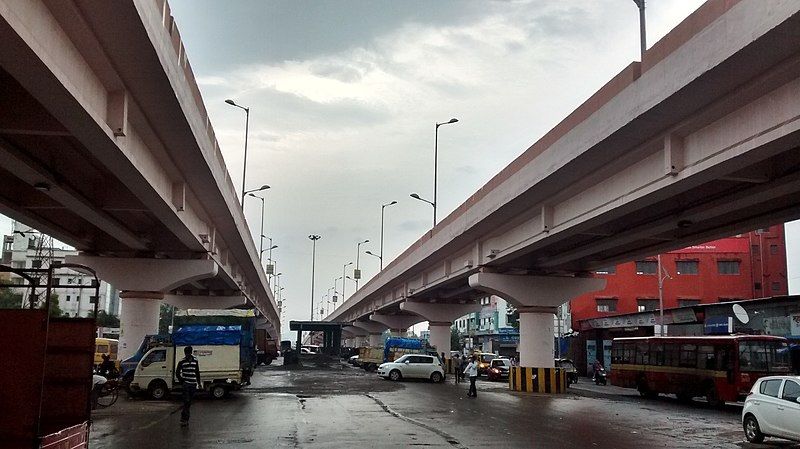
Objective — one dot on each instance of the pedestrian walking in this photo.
(472, 371)
(457, 368)
(188, 374)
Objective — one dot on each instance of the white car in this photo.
(772, 408)
(413, 366)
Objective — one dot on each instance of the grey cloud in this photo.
(415, 225)
(340, 72)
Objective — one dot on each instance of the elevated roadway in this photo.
(700, 140)
(106, 145)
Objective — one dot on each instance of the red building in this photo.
(745, 266)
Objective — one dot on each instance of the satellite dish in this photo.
(741, 314)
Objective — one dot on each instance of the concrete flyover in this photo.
(698, 141)
(105, 144)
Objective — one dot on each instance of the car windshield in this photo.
(764, 356)
(500, 362)
(402, 359)
(485, 358)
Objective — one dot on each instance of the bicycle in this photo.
(108, 394)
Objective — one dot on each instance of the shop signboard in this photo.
(794, 324)
(718, 325)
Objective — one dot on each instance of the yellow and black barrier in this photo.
(537, 380)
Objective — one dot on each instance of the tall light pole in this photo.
(417, 197)
(383, 208)
(436, 164)
(246, 132)
(252, 193)
(314, 238)
(374, 255)
(662, 276)
(642, 30)
(344, 278)
(358, 254)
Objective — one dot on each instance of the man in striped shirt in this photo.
(188, 374)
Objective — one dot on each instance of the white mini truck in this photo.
(221, 369)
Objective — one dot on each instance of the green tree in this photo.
(9, 299)
(105, 320)
(55, 309)
(165, 315)
(455, 339)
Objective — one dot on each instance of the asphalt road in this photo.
(340, 407)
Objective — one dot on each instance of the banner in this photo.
(729, 245)
(794, 324)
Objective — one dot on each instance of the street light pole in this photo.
(383, 208)
(417, 197)
(436, 164)
(246, 132)
(261, 234)
(358, 257)
(642, 30)
(314, 238)
(344, 278)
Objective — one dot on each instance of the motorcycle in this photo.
(600, 377)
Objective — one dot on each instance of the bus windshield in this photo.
(763, 356)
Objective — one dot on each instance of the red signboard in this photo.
(729, 245)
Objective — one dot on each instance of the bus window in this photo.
(671, 354)
(706, 357)
(641, 352)
(688, 357)
(657, 354)
(766, 356)
(628, 350)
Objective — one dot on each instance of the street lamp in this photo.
(313, 238)
(344, 278)
(417, 197)
(374, 255)
(334, 286)
(383, 207)
(436, 163)
(246, 132)
(357, 273)
(252, 193)
(642, 31)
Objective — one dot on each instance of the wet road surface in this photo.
(342, 407)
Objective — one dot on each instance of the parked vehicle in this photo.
(353, 360)
(105, 346)
(571, 372)
(772, 408)
(266, 348)
(393, 349)
(413, 366)
(128, 366)
(721, 368)
(217, 349)
(498, 369)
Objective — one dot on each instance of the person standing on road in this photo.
(457, 367)
(188, 374)
(472, 371)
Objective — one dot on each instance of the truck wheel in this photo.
(395, 375)
(157, 390)
(218, 391)
(436, 377)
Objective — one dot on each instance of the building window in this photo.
(606, 305)
(647, 305)
(687, 266)
(607, 270)
(757, 285)
(36, 263)
(755, 249)
(776, 286)
(646, 267)
(688, 302)
(773, 249)
(68, 298)
(92, 299)
(728, 266)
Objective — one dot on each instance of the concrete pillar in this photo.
(396, 323)
(138, 317)
(440, 337)
(375, 340)
(536, 297)
(536, 348)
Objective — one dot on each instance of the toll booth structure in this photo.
(49, 361)
(330, 332)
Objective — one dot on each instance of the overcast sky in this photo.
(344, 96)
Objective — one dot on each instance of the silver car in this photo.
(772, 409)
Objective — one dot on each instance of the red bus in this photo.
(720, 368)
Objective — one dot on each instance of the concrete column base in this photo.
(536, 337)
(537, 380)
(138, 316)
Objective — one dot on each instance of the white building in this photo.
(28, 248)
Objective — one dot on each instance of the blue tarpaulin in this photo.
(401, 343)
(207, 335)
